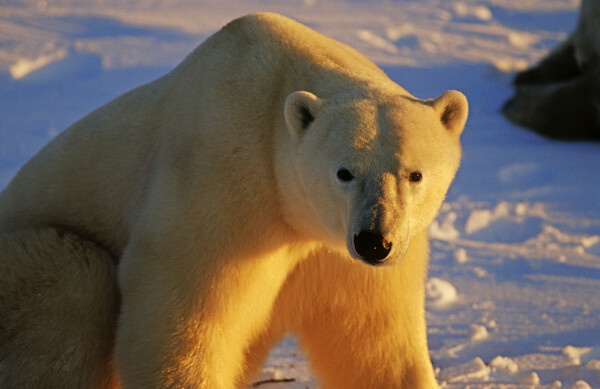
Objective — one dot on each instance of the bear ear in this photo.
(453, 108)
(300, 110)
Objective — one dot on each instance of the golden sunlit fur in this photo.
(212, 193)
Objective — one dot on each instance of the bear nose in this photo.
(372, 247)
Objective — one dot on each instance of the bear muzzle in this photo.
(372, 247)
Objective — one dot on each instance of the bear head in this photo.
(368, 172)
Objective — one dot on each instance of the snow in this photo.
(473, 370)
(512, 298)
(503, 366)
(440, 293)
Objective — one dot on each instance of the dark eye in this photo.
(415, 177)
(344, 175)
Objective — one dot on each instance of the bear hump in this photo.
(281, 32)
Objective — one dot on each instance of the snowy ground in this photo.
(513, 296)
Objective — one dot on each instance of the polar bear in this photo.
(275, 181)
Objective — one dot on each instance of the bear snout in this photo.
(372, 247)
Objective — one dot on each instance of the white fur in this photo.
(216, 192)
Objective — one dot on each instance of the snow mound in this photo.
(478, 12)
(529, 379)
(574, 354)
(444, 229)
(513, 229)
(440, 293)
(478, 220)
(580, 385)
(460, 255)
(477, 332)
(503, 366)
(473, 370)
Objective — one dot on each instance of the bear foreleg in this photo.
(361, 327)
(190, 325)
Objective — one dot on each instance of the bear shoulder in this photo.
(288, 37)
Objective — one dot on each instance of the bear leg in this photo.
(258, 350)
(58, 311)
(360, 326)
(190, 321)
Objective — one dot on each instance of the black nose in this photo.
(372, 247)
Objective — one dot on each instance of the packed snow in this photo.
(513, 296)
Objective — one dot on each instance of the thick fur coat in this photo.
(171, 237)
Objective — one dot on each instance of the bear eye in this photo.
(415, 177)
(344, 175)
